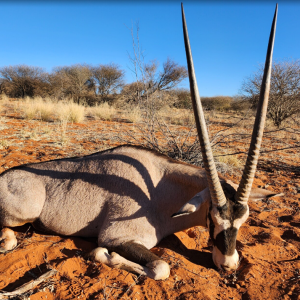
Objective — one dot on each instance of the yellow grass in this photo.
(103, 111)
(50, 110)
(177, 116)
(70, 111)
(134, 115)
(38, 108)
(3, 100)
(230, 160)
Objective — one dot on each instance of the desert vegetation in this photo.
(166, 129)
(80, 109)
(268, 242)
(284, 100)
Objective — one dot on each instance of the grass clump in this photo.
(228, 164)
(4, 99)
(177, 116)
(38, 108)
(51, 110)
(103, 111)
(70, 112)
(134, 115)
(4, 144)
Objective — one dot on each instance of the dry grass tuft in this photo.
(103, 111)
(134, 115)
(38, 108)
(231, 160)
(228, 164)
(4, 144)
(177, 116)
(51, 110)
(70, 111)
(64, 140)
(4, 100)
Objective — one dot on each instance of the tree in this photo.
(108, 79)
(75, 82)
(284, 99)
(148, 77)
(22, 80)
(171, 75)
(166, 79)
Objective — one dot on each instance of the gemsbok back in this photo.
(130, 198)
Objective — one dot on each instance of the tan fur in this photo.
(123, 194)
(126, 191)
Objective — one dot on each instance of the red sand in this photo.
(269, 242)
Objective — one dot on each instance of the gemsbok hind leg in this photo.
(134, 257)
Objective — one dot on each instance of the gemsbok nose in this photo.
(229, 267)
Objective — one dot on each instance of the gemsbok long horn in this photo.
(245, 185)
(217, 195)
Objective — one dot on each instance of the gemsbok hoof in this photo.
(8, 240)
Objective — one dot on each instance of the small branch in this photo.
(135, 282)
(266, 151)
(28, 286)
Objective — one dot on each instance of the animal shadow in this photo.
(197, 257)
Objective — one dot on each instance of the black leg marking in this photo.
(135, 252)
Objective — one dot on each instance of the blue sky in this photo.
(228, 39)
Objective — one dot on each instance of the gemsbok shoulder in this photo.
(130, 198)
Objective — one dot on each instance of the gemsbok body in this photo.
(131, 198)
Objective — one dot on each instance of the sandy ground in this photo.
(268, 243)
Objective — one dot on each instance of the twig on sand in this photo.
(28, 286)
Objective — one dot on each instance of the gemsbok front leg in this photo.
(134, 257)
(8, 240)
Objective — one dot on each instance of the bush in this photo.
(217, 103)
(284, 98)
(182, 98)
(239, 105)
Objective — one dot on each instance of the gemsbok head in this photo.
(130, 198)
(229, 208)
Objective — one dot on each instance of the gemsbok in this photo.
(130, 198)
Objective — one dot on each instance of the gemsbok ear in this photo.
(194, 204)
(258, 194)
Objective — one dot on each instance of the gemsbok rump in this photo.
(131, 198)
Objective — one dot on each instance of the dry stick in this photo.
(283, 129)
(229, 127)
(144, 137)
(221, 137)
(192, 272)
(266, 151)
(147, 135)
(174, 138)
(28, 286)
(135, 282)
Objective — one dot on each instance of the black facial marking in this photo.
(211, 228)
(225, 240)
(232, 210)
